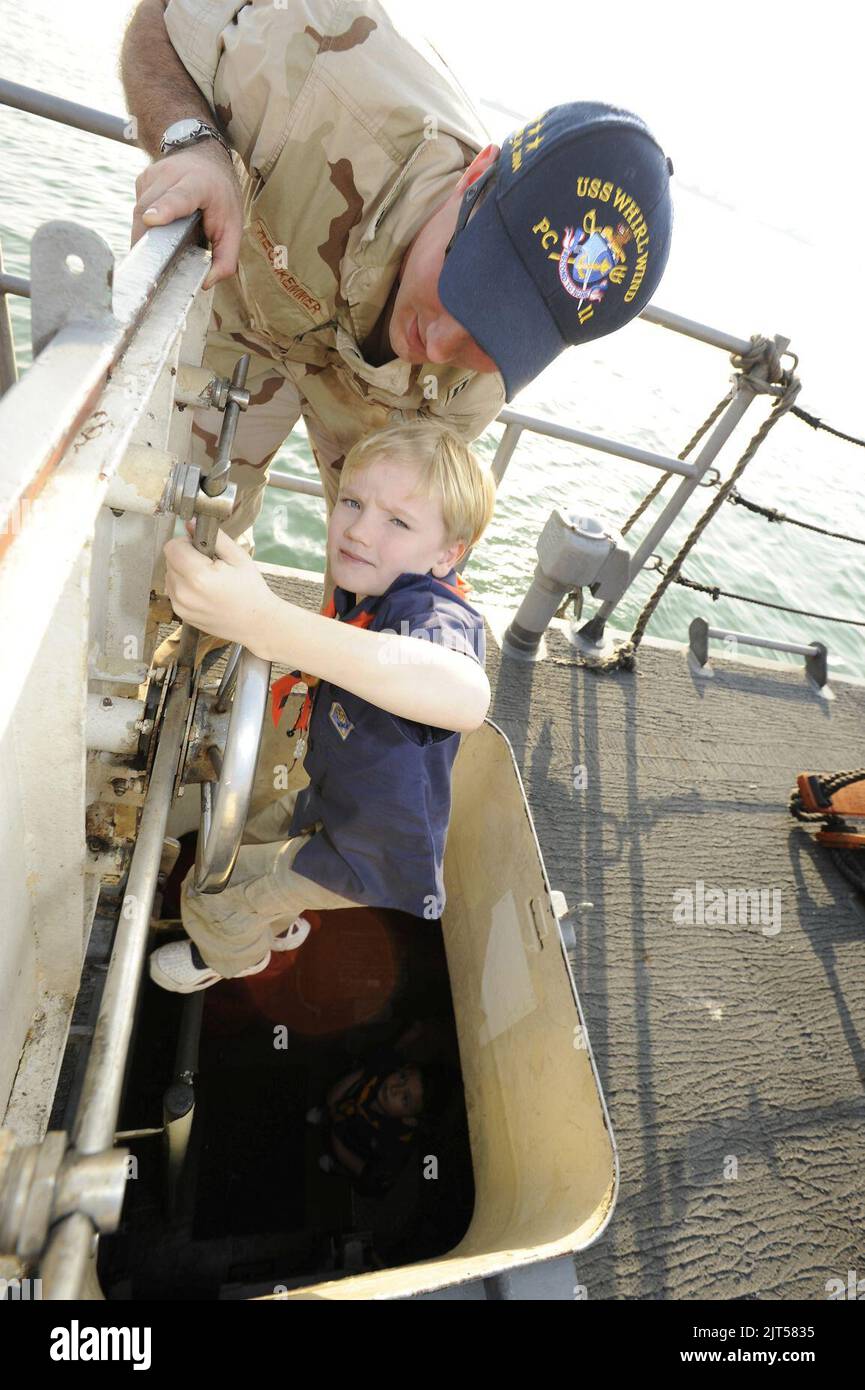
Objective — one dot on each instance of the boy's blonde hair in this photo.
(448, 469)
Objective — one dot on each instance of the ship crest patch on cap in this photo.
(592, 258)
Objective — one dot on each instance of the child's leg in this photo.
(269, 824)
(234, 929)
(272, 821)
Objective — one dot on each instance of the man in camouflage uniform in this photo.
(348, 139)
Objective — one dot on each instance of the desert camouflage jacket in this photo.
(351, 134)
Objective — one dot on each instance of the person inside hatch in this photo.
(372, 1117)
(381, 722)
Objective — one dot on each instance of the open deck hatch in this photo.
(538, 1149)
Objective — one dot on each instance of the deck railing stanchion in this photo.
(592, 631)
(507, 444)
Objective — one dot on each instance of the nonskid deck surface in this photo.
(731, 1052)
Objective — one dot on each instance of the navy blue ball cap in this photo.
(568, 240)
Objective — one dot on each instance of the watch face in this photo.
(181, 130)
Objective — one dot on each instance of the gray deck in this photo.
(717, 1045)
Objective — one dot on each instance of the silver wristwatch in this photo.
(189, 132)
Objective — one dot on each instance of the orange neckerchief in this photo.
(282, 688)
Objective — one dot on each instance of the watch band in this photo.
(203, 131)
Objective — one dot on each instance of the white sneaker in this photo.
(293, 936)
(173, 966)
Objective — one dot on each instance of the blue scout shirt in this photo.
(380, 784)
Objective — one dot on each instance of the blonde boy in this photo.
(385, 711)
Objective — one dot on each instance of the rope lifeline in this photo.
(772, 514)
(691, 444)
(764, 602)
(817, 424)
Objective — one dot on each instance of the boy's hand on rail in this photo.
(177, 184)
(225, 596)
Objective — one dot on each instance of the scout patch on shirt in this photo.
(340, 720)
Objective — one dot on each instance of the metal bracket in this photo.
(63, 291)
(817, 665)
(561, 909)
(185, 495)
(207, 728)
(204, 390)
(224, 393)
(592, 640)
(42, 1183)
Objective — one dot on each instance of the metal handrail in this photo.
(816, 654)
(70, 113)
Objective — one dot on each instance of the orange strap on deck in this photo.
(847, 801)
(830, 798)
(841, 839)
